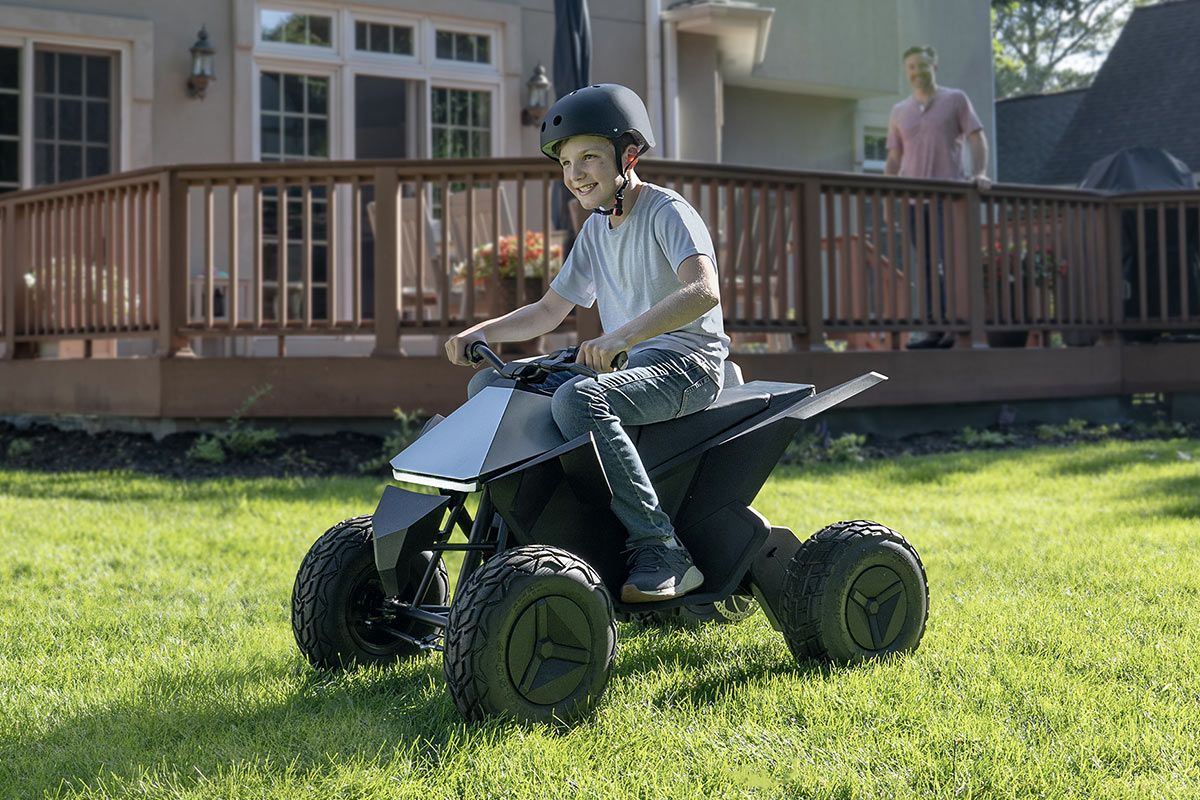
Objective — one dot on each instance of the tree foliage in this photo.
(1038, 44)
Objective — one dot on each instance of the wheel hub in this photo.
(877, 608)
(548, 650)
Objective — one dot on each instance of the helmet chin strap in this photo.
(618, 209)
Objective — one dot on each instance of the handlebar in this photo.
(558, 361)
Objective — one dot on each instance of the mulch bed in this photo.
(46, 449)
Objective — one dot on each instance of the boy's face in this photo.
(589, 170)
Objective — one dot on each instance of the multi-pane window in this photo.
(294, 126)
(474, 48)
(73, 126)
(312, 30)
(10, 118)
(377, 37)
(874, 149)
(294, 116)
(462, 123)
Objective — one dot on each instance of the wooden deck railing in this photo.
(393, 248)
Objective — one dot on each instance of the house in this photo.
(89, 87)
(1144, 94)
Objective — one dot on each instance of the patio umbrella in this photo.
(572, 70)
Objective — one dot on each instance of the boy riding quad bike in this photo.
(623, 469)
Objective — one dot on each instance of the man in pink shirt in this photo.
(925, 138)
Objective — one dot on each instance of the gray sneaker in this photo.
(658, 572)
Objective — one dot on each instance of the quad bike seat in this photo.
(658, 442)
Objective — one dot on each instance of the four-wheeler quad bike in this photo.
(531, 632)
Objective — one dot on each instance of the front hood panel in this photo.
(499, 427)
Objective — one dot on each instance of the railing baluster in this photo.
(306, 229)
(1183, 261)
(1141, 247)
(356, 252)
(331, 253)
(1161, 210)
(232, 303)
(777, 292)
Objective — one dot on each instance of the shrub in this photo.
(238, 438)
(972, 439)
(19, 448)
(208, 450)
(818, 445)
(408, 428)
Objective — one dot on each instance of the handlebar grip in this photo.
(472, 352)
(620, 360)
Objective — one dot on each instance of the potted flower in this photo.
(502, 261)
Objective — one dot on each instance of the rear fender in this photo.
(405, 523)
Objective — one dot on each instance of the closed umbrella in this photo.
(572, 70)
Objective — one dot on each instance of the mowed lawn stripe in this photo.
(146, 650)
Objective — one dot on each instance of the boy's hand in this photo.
(598, 354)
(456, 348)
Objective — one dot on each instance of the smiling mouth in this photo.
(583, 191)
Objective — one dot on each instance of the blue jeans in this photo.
(656, 386)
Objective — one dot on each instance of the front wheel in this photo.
(339, 616)
(854, 591)
(531, 637)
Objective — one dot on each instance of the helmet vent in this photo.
(543, 127)
(557, 120)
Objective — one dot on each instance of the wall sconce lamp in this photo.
(539, 97)
(202, 65)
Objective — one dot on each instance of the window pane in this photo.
(318, 95)
(483, 110)
(97, 161)
(43, 164)
(440, 111)
(402, 41)
(273, 23)
(318, 138)
(70, 120)
(463, 50)
(380, 41)
(70, 162)
(293, 93)
(97, 123)
(445, 44)
(10, 120)
(269, 91)
(70, 73)
(360, 36)
(10, 64)
(10, 161)
(43, 72)
(480, 144)
(483, 49)
(43, 118)
(319, 29)
(293, 136)
(98, 68)
(270, 134)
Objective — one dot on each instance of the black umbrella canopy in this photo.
(1138, 169)
(572, 70)
(572, 46)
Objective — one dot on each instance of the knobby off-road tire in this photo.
(531, 637)
(730, 611)
(854, 591)
(338, 595)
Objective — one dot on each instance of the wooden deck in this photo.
(1050, 293)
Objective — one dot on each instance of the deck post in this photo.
(976, 305)
(8, 274)
(387, 265)
(173, 267)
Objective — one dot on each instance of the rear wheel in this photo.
(339, 616)
(531, 637)
(854, 591)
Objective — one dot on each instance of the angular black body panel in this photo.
(405, 523)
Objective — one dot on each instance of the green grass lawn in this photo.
(146, 651)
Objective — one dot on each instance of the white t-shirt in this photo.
(630, 268)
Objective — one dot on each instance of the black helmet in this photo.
(603, 109)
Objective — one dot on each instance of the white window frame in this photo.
(385, 59)
(455, 26)
(342, 63)
(865, 165)
(121, 49)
